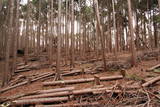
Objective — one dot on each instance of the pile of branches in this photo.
(146, 94)
(31, 66)
(126, 64)
(112, 66)
(138, 98)
(150, 55)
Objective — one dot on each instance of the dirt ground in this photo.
(139, 71)
(134, 74)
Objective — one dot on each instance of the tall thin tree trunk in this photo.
(27, 33)
(7, 73)
(1, 3)
(16, 37)
(50, 47)
(159, 4)
(114, 30)
(46, 35)
(96, 40)
(80, 35)
(155, 31)
(66, 32)
(100, 32)
(58, 71)
(39, 28)
(132, 34)
(159, 33)
(72, 33)
(34, 39)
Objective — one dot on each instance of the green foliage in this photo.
(35, 2)
(157, 18)
(87, 13)
(24, 8)
(157, 70)
(6, 104)
(134, 77)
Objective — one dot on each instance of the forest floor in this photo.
(135, 75)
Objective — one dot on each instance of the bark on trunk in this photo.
(39, 29)
(114, 31)
(58, 72)
(7, 72)
(27, 34)
(50, 47)
(159, 4)
(16, 36)
(1, 3)
(100, 33)
(133, 50)
(72, 33)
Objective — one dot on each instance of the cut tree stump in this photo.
(109, 78)
(96, 80)
(123, 73)
(83, 72)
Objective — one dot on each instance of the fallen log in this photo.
(23, 78)
(39, 101)
(21, 64)
(113, 91)
(86, 104)
(154, 67)
(67, 73)
(56, 90)
(152, 81)
(33, 66)
(74, 92)
(22, 70)
(146, 84)
(43, 76)
(38, 75)
(11, 98)
(25, 82)
(78, 92)
(18, 79)
(22, 67)
(82, 80)
(14, 86)
(70, 73)
(89, 61)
